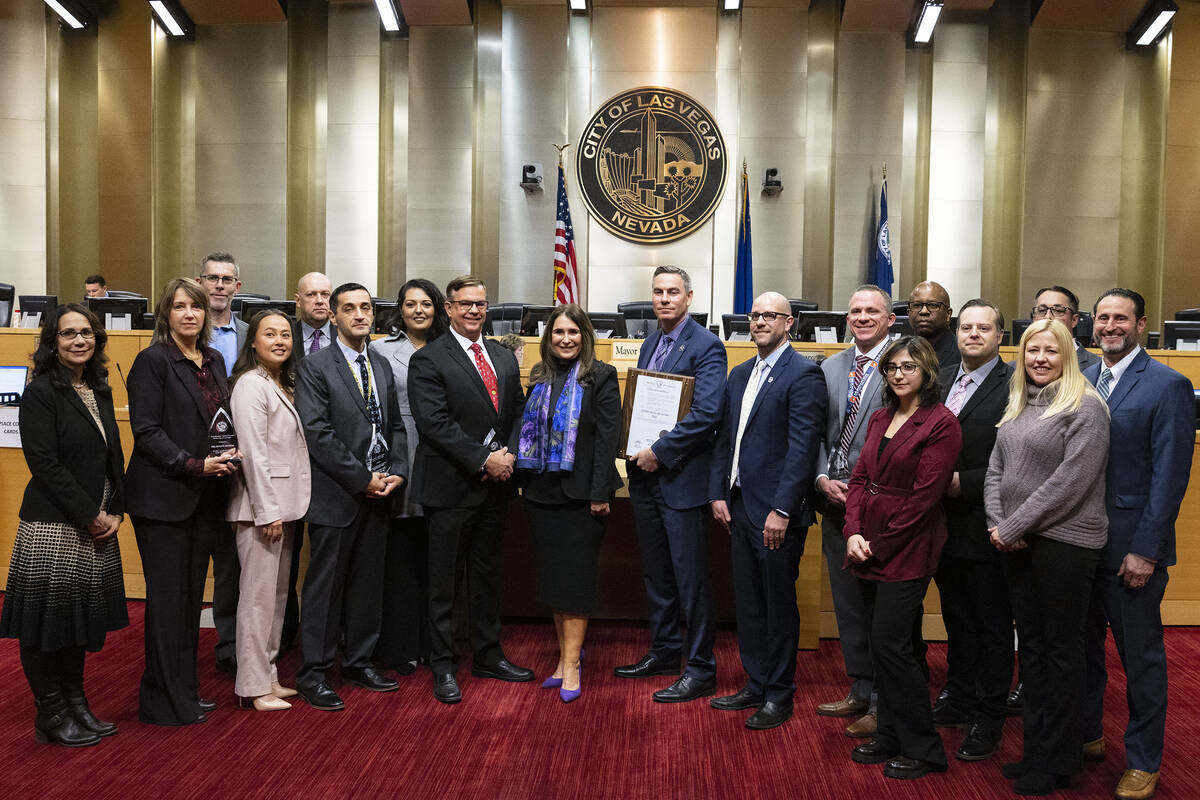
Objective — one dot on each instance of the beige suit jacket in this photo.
(275, 482)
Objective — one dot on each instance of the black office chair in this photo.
(1188, 315)
(640, 309)
(121, 293)
(235, 302)
(8, 297)
(803, 305)
(900, 308)
(1083, 331)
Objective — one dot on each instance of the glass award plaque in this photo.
(221, 435)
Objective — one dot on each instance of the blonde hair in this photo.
(1069, 388)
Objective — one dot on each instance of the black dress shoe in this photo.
(872, 752)
(228, 666)
(737, 702)
(503, 670)
(321, 697)
(906, 768)
(647, 666)
(206, 706)
(949, 715)
(1015, 703)
(685, 689)
(983, 740)
(445, 688)
(405, 667)
(942, 697)
(368, 678)
(771, 715)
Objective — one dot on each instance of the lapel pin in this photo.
(770, 379)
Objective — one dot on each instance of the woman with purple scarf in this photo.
(567, 460)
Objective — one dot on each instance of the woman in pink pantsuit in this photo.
(271, 492)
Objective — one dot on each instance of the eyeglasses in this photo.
(467, 305)
(69, 334)
(908, 368)
(769, 316)
(932, 307)
(1038, 312)
(224, 280)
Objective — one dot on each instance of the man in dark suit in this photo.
(220, 280)
(668, 489)
(974, 594)
(764, 464)
(466, 398)
(1060, 303)
(358, 450)
(312, 330)
(1152, 411)
(854, 385)
(929, 317)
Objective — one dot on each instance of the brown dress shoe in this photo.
(849, 707)
(864, 727)
(1137, 785)
(1094, 750)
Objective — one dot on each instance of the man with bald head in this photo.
(929, 317)
(761, 484)
(312, 329)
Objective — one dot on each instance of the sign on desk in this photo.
(10, 433)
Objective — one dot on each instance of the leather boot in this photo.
(54, 723)
(70, 674)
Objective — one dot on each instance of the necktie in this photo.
(316, 342)
(1104, 385)
(488, 374)
(744, 415)
(959, 398)
(377, 451)
(860, 366)
(660, 355)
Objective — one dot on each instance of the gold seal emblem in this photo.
(651, 165)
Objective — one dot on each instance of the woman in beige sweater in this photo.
(1044, 494)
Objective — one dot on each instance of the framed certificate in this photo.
(654, 402)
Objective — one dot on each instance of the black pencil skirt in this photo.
(566, 554)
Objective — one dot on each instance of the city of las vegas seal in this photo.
(651, 165)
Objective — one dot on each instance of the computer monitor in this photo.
(700, 317)
(35, 308)
(640, 309)
(533, 319)
(12, 384)
(1188, 315)
(900, 308)
(820, 326)
(639, 328)
(1180, 335)
(736, 327)
(235, 302)
(607, 324)
(118, 313)
(503, 318)
(1018, 329)
(8, 295)
(900, 327)
(251, 307)
(385, 315)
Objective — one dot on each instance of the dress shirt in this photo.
(466, 343)
(351, 355)
(977, 378)
(224, 341)
(307, 331)
(1118, 369)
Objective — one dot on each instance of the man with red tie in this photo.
(465, 394)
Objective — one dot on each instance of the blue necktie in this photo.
(660, 355)
(1104, 385)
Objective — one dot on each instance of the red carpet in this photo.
(519, 741)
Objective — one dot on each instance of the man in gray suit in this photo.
(1060, 303)
(219, 277)
(358, 449)
(854, 384)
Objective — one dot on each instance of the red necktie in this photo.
(488, 374)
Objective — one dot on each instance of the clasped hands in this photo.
(104, 526)
(219, 465)
(382, 484)
(1005, 547)
(499, 465)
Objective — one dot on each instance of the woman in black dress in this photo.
(176, 494)
(567, 460)
(65, 589)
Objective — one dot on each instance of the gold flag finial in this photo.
(885, 170)
(560, 148)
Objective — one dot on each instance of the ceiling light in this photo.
(71, 14)
(1152, 24)
(732, 5)
(388, 15)
(930, 11)
(578, 5)
(173, 19)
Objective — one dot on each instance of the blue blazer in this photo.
(778, 460)
(686, 450)
(1152, 435)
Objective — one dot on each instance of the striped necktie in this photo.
(1104, 385)
(860, 366)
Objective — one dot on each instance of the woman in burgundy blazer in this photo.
(895, 529)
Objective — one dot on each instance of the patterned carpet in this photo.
(519, 741)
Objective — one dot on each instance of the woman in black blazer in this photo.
(566, 453)
(65, 588)
(176, 496)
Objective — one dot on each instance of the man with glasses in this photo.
(929, 317)
(1060, 303)
(219, 278)
(466, 398)
(761, 485)
(854, 392)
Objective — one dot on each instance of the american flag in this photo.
(566, 273)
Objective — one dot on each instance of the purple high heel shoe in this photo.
(552, 683)
(571, 695)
